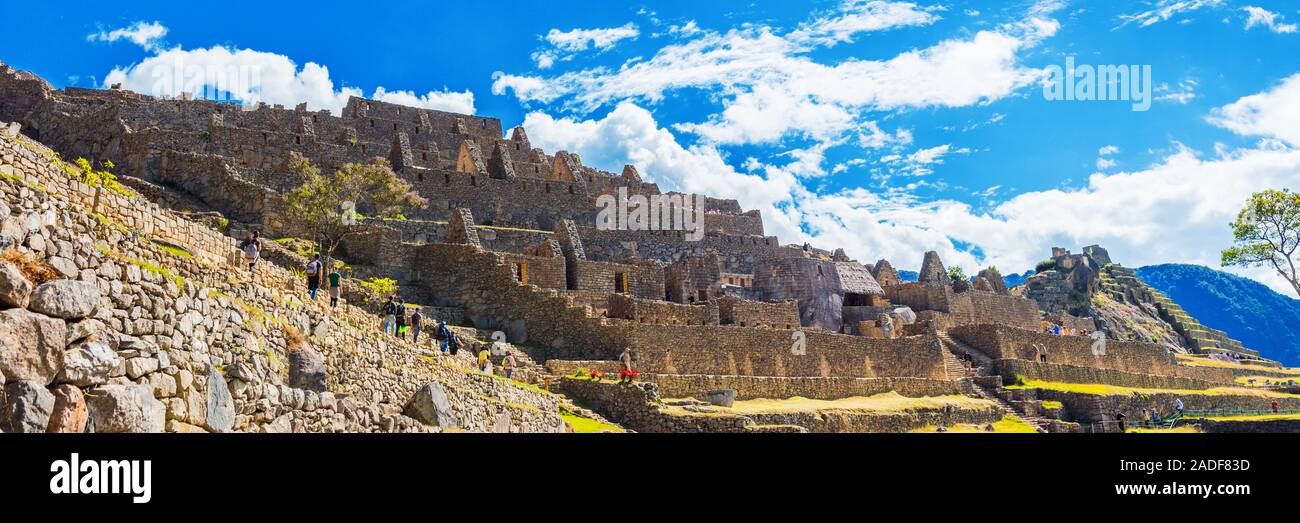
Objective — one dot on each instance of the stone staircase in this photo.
(980, 364)
(988, 393)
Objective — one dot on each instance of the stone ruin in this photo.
(509, 241)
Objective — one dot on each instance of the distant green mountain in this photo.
(1247, 310)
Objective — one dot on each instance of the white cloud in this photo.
(578, 40)
(444, 100)
(1175, 211)
(1164, 10)
(565, 44)
(249, 75)
(770, 88)
(148, 35)
(1263, 17)
(1183, 93)
(1270, 114)
(858, 16)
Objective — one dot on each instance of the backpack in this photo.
(441, 333)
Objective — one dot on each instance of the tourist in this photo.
(508, 363)
(314, 270)
(389, 310)
(484, 364)
(252, 247)
(447, 339)
(399, 314)
(628, 372)
(1178, 406)
(1274, 405)
(416, 318)
(336, 287)
(1119, 418)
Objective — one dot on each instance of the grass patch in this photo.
(1181, 429)
(585, 425)
(1197, 361)
(174, 250)
(1101, 389)
(1259, 417)
(1049, 404)
(1009, 424)
(1264, 381)
(890, 402)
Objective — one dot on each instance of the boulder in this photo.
(26, 408)
(221, 406)
(69, 410)
(15, 289)
(430, 406)
(31, 346)
(721, 397)
(306, 369)
(67, 299)
(125, 408)
(89, 363)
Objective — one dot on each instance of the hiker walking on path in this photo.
(508, 363)
(400, 313)
(314, 271)
(336, 286)
(389, 310)
(1178, 406)
(416, 319)
(252, 247)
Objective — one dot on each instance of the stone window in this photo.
(446, 179)
(570, 189)
(372, 122)
(548, 188)
(424, 156)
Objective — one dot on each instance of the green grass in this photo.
(1260, 417)
(1049, 404)
(1009, 424)
(1182, 429)
(582, 425)
(1101, 389)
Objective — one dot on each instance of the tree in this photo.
(955, 274)
(1266, 234)
(327, 206)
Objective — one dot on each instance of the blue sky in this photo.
(887, 128)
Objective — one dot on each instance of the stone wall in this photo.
(748, 313)
(751, 387)
(471, 278)
(1004, 342)
(637, 407)
(966, 308)
(661, 312)
(1010, 369)
(210, 343)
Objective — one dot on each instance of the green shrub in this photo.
(1045, 265)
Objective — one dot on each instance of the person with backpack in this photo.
(484, 364)
(446, 338)
(508, 363)
(400, 313)
(416, 318)
(314, 270)
(389, 311)
(336, 286)
(252, 247)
